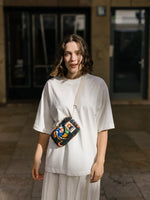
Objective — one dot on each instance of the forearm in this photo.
(98, 167)
(101, 146)
(41, 146)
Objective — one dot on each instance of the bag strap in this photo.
(78, 93)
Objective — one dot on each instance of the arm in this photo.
(41, 146)
(98, 167)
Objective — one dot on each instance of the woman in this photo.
(73, 172)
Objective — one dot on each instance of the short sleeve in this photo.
(104, 117)
(43, 121)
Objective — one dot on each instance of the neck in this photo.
(73, 76)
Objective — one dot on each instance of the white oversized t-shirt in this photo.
(93, 114)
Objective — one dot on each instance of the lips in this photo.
(73, 65)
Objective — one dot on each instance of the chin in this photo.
(74, 70)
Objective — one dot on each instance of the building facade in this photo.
(117, 33)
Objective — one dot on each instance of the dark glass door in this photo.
(128, 61)
(32, 39)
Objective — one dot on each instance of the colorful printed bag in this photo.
(65, 131)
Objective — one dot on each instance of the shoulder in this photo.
(96, 80)
(52, 81)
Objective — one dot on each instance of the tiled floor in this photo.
(127, 168)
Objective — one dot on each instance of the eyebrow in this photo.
(71, 52)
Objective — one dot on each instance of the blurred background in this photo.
(117, 33)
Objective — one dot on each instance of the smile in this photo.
(73, 65)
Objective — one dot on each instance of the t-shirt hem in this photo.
(106, 128)
(67, 172)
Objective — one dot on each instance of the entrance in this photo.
(32, 38)
(128, 62)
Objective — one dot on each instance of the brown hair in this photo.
(60, 68)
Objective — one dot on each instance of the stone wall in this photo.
(149, 64)
(100, 34)
(130, 3)
(2, 57)
(59, 3)
(140, 3)
(64, 3)
(121, 3)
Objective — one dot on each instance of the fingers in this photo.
(92, 174)
(96, 175)
(36, 175)
(95, 178)
(41, 176)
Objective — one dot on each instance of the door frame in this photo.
(144, 78)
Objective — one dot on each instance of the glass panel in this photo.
(40, 74)
(129, 29)
(129, 17)
(73, 24)
(44, 46)
(18, 49)
(80, 25)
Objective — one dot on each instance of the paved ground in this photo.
(127, 168)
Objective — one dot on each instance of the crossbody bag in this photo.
(68, 127)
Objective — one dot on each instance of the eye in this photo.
(66, 53)
(79, 53)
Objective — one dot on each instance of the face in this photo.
(73, 59)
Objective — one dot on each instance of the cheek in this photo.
(80, 59)
(66, 60)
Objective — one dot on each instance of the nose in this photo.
(73, 57)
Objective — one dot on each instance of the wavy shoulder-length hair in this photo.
(60, 68)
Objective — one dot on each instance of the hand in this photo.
(36, 171)
(97, 172)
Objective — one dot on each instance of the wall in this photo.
(140, 3)
(130, 3)
(120, 3)
(60, 3)
(2, 57)
(100, 34)
(149, 64)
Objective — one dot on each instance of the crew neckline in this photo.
(72, 80)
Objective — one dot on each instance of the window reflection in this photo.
(18, 49)
(129, 17)
(73, 24)
(44, 39)
(44, 42)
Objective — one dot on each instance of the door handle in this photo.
(141, 62)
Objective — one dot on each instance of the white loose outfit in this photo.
(93, 114)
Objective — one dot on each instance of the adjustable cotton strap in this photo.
(78, 93)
